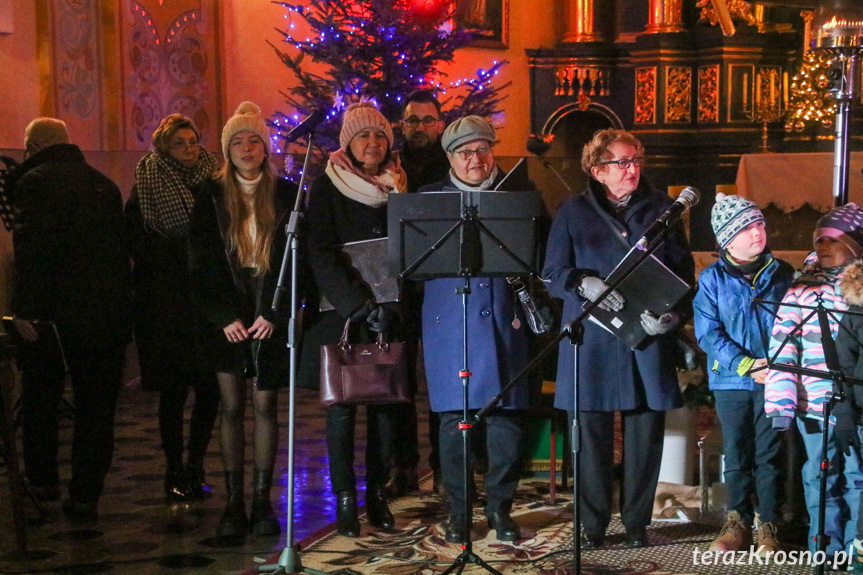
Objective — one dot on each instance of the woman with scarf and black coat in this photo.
(166, 320)
(235, 251)
(348, 204)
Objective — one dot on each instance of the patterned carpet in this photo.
(416, 546)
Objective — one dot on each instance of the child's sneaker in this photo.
(734, 535)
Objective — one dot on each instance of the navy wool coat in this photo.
(612, 377)
(497, 351)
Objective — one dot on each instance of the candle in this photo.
(785, 89)
(772, 92)
(745, 90)
(758, 91)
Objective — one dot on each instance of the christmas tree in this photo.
(379, 51)
(811, 100)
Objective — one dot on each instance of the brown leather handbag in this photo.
(364, 373)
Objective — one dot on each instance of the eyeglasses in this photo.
(183, 144)
(481, 153)
(624, 163)
(428, 121)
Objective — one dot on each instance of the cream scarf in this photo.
(370, 191)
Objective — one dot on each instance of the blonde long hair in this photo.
(263, 211)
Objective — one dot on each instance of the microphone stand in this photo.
(289, 561)
(575, 331)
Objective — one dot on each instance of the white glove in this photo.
(591, 287)
(659, 325)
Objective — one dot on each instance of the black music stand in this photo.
(424, 244)
(834, 373)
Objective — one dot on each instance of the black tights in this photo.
(172, 402)
(232, 434)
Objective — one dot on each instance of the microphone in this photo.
(687, 198)
(307, 126)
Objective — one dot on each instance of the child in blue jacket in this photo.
(728, 330)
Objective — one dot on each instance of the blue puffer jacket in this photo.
(727, 321)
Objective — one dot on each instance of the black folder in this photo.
(651, 286)
(367, 258)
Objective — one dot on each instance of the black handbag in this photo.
(364, 373)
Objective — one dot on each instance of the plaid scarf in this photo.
(165, 191)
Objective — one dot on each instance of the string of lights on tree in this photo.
(378, 51)
(811, 101)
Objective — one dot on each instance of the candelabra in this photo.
(765, 110)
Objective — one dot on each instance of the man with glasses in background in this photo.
(424, 162)
(423, 159)
(498, 350)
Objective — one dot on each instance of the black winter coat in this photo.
(167, 322)
(219, 292)
(335, 219)
(71, 263)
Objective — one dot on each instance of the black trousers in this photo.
(405, 449)
(643, 431)
(95, 375)
(503, 441)
(752, 448)
(341, 427)
(172, 402)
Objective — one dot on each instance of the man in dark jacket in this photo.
(424, 162)
(70, 304)
(423, 158)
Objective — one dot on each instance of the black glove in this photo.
(591, 287)
(361, 314)
(846, 432)
(659, 325)
(382, 318)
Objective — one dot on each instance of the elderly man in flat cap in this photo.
(71, 292)
(498, 348)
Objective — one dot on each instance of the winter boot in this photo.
(176, 486)
(734, 535)
(768, 540)
(196, 480)
(347, 523)
(377, 510)
(234, 522)
(263, 520)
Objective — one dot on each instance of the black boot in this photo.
(263, 520)
(233, 522)
(198, 488)
(376, 508)
(176, 486)
(347, 523)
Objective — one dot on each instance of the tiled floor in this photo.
(137, 532)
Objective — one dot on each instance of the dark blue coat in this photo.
(727, 321)
(496, 350)
(612, 377)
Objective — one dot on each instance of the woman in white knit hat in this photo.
(348, 204)
(235, 252)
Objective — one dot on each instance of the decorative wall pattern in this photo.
(169, 67)
(708, 94)
(76, 68)
(678, 94)
(645, 95)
